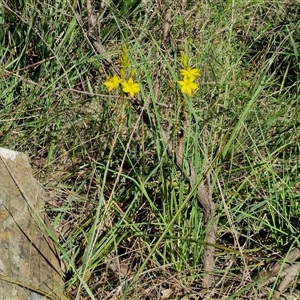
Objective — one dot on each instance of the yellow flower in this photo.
(130, 87)
(187, 85)
(190, 73)
(113, 82)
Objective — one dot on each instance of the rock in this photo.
(29, 263)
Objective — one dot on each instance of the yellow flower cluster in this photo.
(128, 86)
(187, 84)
